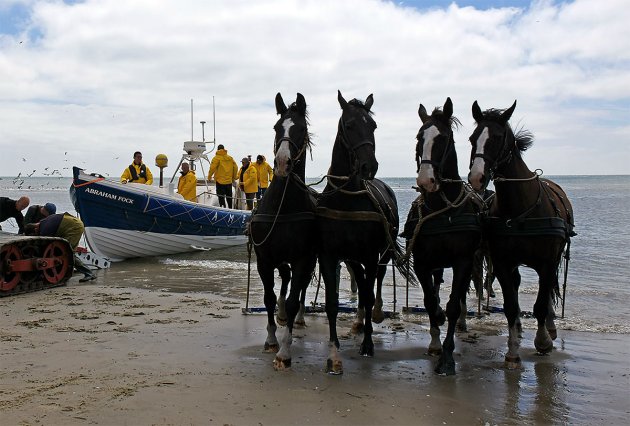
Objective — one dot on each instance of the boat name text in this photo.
(110, 196)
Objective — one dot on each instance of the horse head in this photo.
(292, 137)
(435, 147)
(356, 132)
(493, 143)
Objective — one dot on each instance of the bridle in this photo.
(352, 149)
(504, 156)
(300, 150)
(437, 166)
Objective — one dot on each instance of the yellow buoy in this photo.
(161, 160)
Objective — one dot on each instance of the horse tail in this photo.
(401, 262)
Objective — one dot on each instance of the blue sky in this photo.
(87, 83)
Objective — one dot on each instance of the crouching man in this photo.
(65, 226)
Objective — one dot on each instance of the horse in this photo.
(530, 222)
(357, 220)
(446, 227)
(282, 228)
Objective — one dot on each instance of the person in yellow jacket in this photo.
(248, 181)
(265, 175)
(137, 172)
(225, 172)
(187, 184)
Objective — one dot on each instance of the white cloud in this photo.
(103, 78)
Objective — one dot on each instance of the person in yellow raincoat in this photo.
(265, 175)
(137, 172)
(187, 184)
(225, 172)
(248, 181)
(66, 226)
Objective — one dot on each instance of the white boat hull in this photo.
(118, 245)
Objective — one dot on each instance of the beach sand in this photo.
(95, 353)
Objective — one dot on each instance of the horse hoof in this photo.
(553, 333)
(281, 321)
(299, 324)
(461, 328)
(280, 364)
(434, 351)
(334, 368)
(543, 347)
(377, 316)
(445, 368)
(513, 363)
(366, 350)
(271, 348)
(357, 328)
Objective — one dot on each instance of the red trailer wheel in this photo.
(60, 252)
(8, 279)
(30, 252)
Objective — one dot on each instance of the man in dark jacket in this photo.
(35, 213)
(67, 227)
(12, 208)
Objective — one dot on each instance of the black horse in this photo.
(530, 223)
(282, 228)
(446, 227)
(357, 219)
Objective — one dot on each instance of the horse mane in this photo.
(524, 138)
(309, 136)
(357, 103)
(453, 121)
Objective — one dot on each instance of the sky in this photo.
(87, 83)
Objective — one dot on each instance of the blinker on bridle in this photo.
(504, 156)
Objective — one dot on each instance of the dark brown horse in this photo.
(443, 228)
(530, 222)
(357, 219)
(282, 228)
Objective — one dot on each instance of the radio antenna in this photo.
(214, 123)
(191, 121)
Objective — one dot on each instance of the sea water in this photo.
(598, 285)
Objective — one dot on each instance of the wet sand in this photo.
(98, 354)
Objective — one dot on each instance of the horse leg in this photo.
(511, 310)
(267, 277)
(377, 313)
(438, 279)
(516, 280)
(356, 272)
(300, 322)
(327, 267)
(301, 277)
(431, 305)
(461, 280)
(543, 342)
(461, 325)
(285, 274)
(550, 321)
(366, 292)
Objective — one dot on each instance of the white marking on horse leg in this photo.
(478, 165)
(281, 316)
(299, 319)
(435, 347)
(426, 174)
(512, 358)
(357, 325)
(272, 342)
(334, 364)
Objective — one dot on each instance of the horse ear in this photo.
(448, 108)
(301, 104)
(505, 117)
(422, 112)
(369, 101)
(281, 108)
(476, 112)
(341, 100)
